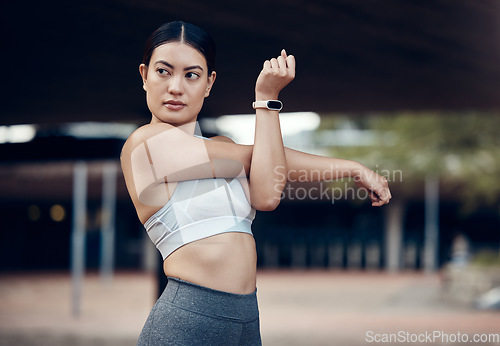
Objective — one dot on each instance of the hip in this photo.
(189, 314)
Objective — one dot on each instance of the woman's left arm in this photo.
(304, 167)
(308, 167)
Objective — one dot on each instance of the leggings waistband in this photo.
(205, 300)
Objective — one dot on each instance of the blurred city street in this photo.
(404, 93)
(313, 307)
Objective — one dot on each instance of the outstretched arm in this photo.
(304, 167)
(308, 167)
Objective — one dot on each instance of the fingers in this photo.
(283, 54)
(283, 61)
(275, 75)
(378, 187)
(383, 197)
(383, 192)
(378, 196)
(274, 63)
(280, 61)
(290, 62)
(376, 201)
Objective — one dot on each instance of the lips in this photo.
(175, 105)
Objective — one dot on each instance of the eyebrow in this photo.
(185, 69)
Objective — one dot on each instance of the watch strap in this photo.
(274, 105)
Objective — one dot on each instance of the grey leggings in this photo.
(189, 314)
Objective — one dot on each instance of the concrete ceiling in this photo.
(78, 60)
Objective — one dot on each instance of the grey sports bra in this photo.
(199, 209)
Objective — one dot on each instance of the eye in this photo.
(162, 71)
(192, 75)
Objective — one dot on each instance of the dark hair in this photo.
(179, 31)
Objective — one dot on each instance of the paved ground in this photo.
(297, 308)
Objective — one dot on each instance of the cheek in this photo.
(202, 91)
(153, 90)
(198, 98)
(154, 100)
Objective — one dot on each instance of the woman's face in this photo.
(176, 83)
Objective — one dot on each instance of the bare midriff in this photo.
(225, 262)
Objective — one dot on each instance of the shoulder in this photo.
(222, 139)
(142, 134)
(147, 131)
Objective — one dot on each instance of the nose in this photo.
(175, 85)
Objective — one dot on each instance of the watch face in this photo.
(275, 105)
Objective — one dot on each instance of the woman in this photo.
(197, 196)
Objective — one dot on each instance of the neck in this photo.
(192, 128)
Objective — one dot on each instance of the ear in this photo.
(143, 70)
(211, 80)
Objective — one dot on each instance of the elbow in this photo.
(268, 204)
(267, 197)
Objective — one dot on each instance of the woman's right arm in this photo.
(157, 155)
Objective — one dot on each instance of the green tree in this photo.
(461, 148)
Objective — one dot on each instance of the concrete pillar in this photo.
(372, 256)
(335, 255)
(108, 220)
(431, 234)
(393, 235)
(149, 253)
(78, 234)
(354, 255)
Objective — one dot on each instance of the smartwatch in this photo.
(274, 105)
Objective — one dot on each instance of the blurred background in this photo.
(410, 89)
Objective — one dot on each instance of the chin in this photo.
(175, 121)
